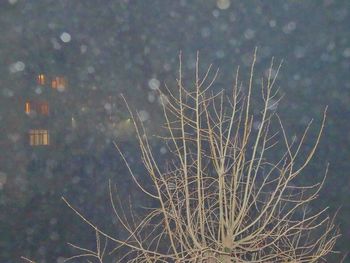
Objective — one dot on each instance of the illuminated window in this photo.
(41, 79)
(27, 107)
(41, 107)
(59, 83)
(39, 137)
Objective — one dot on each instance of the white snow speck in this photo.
(331, 46)
(83, 49)
(17, 67)
(249, 33)
(14, 137)
(151, 97)
(272, 23)
(299, 52)
(216, 13)
(108, 107)
(7, 93)
(143, 115)
(167, 67)
(220, 54)
(65, 37)
(38, 90)
(288, 28)
(154, 84)
(163, 150)
(346, 53)
(55, 44)
(91, 70)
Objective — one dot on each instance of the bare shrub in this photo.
(220, 198)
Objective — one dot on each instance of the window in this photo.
(43, 108)
(40, 107)
(39, 137)
(27, 107)
(59, 83)
(41, 79)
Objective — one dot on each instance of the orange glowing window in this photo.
(27, 107)
(59, 83)
(41, 107)
(41, 79)
(39, 137)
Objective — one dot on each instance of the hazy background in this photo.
(108, 47)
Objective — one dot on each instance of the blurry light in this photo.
(223, 4)
(55, 44)
(38, 90)
(39, 137)
(83, 49)
(151, 97)
(17, 67)
(65, 37)
(27, 108)
(143, 115)
(288, 28)
(216, 13)
(91, 70)
(14, 137)
(154, 84)
(74, 123)
(163, 150)
(41, 79)
(59, 83)
(108, 107)
(346, 53)
(272, 23)
(7, 92)
(167, 67)
(249, 33)
(220, 54)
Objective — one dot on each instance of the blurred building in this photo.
(42, 108)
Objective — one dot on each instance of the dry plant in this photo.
(220, 198)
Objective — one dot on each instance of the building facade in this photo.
(42, 107)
